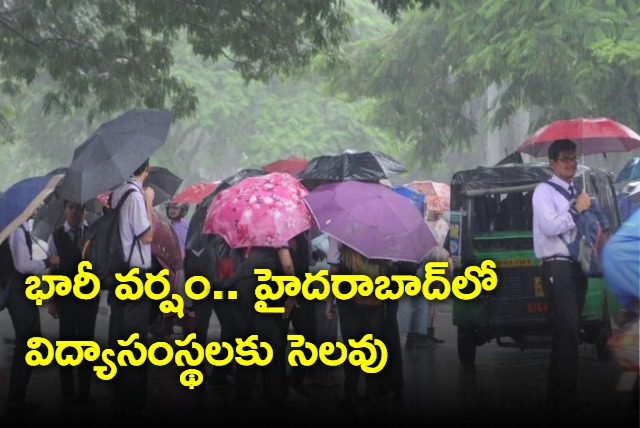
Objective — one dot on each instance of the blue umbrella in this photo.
(630, 171)
(417, 198)
(19, 201)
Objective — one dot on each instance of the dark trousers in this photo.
(392, 377)
(76, 321)
(127, 317)
(356, 320)
(303, 320)
(224, 311)
(270, 328)
(565, 288)
(25, 317)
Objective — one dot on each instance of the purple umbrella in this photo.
(372, 219)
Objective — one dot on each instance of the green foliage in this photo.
(560, 59)
(108, 55)
(237, 124)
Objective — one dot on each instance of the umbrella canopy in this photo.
(163, 182)
(372, 219)
(352, 165)
(165, 244)
(20, 200)
(417, 198)
(291, 165)
(591, 135)
(113, 152)
(437, 195)
(630, 171)
(263, 211)
(195, 193)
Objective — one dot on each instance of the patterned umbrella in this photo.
(437, 195)
(262, 211)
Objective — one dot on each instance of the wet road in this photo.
(507, 389)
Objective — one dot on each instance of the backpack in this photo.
(353, 262)
(101, 245)
(587, 238)
(8, 270)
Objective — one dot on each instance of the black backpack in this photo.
(101, 245)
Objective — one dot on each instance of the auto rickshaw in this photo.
(491, 219)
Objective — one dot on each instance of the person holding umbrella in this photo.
(132, 316)
(20, 203)
(25, 316)
(563, 282)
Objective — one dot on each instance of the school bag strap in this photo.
(117, 208)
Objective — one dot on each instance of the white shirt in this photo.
(133, 223)
(551, 218)
(20, 253)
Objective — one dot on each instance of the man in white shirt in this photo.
(132, 316)
(563, 283)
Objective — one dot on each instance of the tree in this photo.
(237, 124)
(108, 55)
(563, 59)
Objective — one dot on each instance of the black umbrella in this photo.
(197, 220)
(352, 165)
(163, 182)
(114, 151)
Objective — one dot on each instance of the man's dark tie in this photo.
(572, 190)
(75, 235)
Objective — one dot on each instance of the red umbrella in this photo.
(591, 135)
(292, 165)
(165, 244)
(195, 193)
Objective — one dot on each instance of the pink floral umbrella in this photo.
(262, 211)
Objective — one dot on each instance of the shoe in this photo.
(434, 340)
(21, 407)
(431, 336)
(417, 340)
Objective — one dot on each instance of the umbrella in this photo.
(263, 211)
(630, 171)
(20, 200)
(372, 219)
(195, 193)
(352, 165)
(591, 135)
(437, 195)
(113, 152)
(165, 244)
(194, 238)
(417, 198)
(292, 165)
(163, 182)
